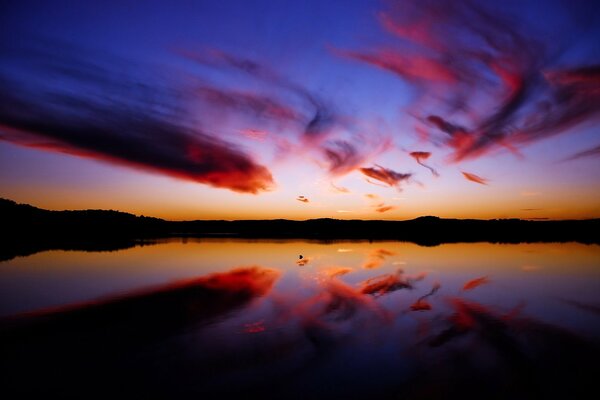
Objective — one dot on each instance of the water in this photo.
(352, 319)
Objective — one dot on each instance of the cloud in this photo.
(255, 134)
(316, 115)
(342, 157)
(383, 208)
(385, 175)
(378, 205)
(253, 104)
(475, 178)
(345, 155)
(89, 109)
(482, 78)
(591, 152)
(339, 189)
(320, 126)
(421, 156)
(302, 199)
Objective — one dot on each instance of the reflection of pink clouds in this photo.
(472, 284)
(255, 327)
(530, 267)
(333, 272)
(384, 284)
(376, 258)
(420, 305)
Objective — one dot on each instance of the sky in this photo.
(362, 109)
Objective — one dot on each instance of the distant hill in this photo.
(29, 220)
(25, 228)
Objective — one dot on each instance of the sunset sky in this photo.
(362, 109)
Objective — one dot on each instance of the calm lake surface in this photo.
(351, 319)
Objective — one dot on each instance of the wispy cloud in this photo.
(420, 157)
(591, 152)
(475, 178)
(482, 79)
(385, 175)
(89, 109)
(339, 189)
(381, 208)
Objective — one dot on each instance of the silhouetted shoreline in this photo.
(27, 229)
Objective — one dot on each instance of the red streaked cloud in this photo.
(481, 79)
(385, 175)
(255, 134)
(420, 157)
(339, 189)
(259, 106)
(97, 115)
(591, 152)
(475, 178)
(342, 157)
(381, 208)
(200, 159)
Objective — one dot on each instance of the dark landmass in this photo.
(27, 229)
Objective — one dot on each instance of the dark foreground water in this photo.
(222, 318)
